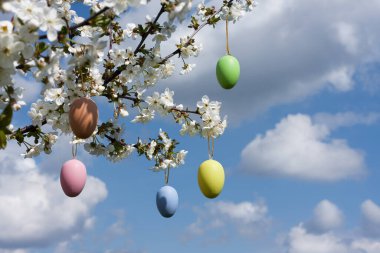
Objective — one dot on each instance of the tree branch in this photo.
(184, 111)
(143, 38)
(178, 51)
(83, 23)
(118, 72)
(162, 10)
(31, 128)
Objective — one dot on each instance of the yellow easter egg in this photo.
(211, 178)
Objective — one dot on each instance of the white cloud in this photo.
(327, 216)
(298, 148)
(31, 87)
(369, 76)
(247, 218)
(34, 210)
(333, 121)
(13, 251)
(370, 218)
(366, 246)
(341, 79)
(114, 238)
(347, 36)
(301, 240)
(118, 228)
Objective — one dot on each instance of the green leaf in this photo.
(3, 140)
(6, 116)
(6, 131)
(19, 137)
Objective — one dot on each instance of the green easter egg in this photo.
(228, 71)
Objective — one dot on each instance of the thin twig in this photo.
(178, 51)
(136, 100)
(143, 38)
(83, 23)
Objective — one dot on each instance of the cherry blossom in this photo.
(92, 56)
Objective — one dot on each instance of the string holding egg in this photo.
(227, 67)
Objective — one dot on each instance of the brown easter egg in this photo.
(83, 117)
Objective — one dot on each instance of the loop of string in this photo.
(115, 111)
(74, 150)
(211, 146)
(227, 43)
(167, 175)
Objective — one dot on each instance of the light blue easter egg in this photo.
(167, 201)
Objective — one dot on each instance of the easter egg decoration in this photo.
(211, 178)
(228, 71)
(167, 198)
(211, 175)
(73, 177)
(83, 117)
(167, 201)
(228, 67)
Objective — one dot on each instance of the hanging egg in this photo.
(228, 71)
(167, 201)
(73, 177)
(83, 117)
(211, 178)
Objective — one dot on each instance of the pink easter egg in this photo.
(73, 177)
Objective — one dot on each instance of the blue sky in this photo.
(301, 152)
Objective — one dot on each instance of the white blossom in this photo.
(120, 6)
(180, 10)
(166, 98)
(129, 31)
(187, 68)
(6, 27)
(154, 101)
(167, 163)
(145, 116)
(167, 141)
(189, 49)
(34, 151)
(118, 56)
(168, 29)
(237, 10)
(6, 76)
(51, 23)
(123, 112)
(167, 69)
(189, 128)
(56, 95)
(151, 149)
(180, 157)
(29, 11)
(10, 45)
